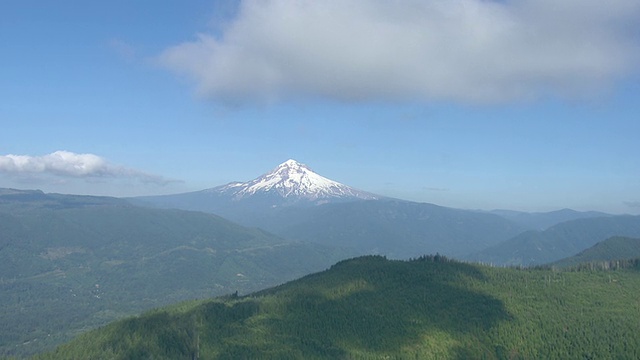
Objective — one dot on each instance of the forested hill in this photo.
(613, 249)
(559, 241)
(71, 263)
(374, 308)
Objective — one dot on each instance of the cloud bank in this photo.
(69, 164)
(470, 51)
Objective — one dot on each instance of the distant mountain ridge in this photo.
(396, 228)
(294, 202)
(614, 248)
(544, 220)
(559, 241)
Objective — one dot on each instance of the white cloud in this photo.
(425, 50)
(67, 164)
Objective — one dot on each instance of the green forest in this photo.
(613, 248)
(70, 263)
(374, 308)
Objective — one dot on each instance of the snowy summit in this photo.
(293, 180)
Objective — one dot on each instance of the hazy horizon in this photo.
(523, 105)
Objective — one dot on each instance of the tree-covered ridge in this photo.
(374, 308)
(615, 248)
(559, 241)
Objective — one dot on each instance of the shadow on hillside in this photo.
(370, 305)
(402, 303)
(364, 307)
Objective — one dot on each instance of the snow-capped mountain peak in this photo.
(293, 180)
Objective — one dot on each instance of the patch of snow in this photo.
(293, 179)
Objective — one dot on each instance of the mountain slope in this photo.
(298, 204)
(560, 241)
(399, 229)
(544, 220)
(295, 181)
(69, 263)
(290, 183)
(614, 248)
(372, 308)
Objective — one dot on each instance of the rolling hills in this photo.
(374, 308)
(559, 241)
(70, 263)
(612, 249)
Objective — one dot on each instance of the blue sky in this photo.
(525, 105)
